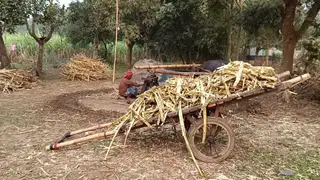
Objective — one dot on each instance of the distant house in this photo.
(261, 54)
(259, 57)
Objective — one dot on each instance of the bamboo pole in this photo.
(163, 71)
(167, 66)
(283, 75)
(69, 134)
(83, 139)
(116, 43)
(295, 81)
(100, 126)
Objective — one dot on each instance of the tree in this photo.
(191, 30)
(12, 13)
(291, 34)
(47, 15)
(94, 27)
(136, 21)
(261, 20)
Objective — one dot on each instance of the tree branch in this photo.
(311, 15)
(2, 28)
(32, 31)
(286, 2)
(50, 34)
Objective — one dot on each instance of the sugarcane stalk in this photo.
(205, 119)
(184, 134)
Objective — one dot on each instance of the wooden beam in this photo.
(163, 71)
(167, 66)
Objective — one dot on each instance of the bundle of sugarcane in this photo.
(84, 68)
(233, 78)
(178, 93)
(13, 80)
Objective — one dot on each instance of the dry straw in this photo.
(83, 68)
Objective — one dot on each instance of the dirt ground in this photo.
(270, 137)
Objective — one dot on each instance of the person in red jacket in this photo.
(128, 88)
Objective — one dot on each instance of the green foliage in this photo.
(46, 14)
(60, 47)
(137, 18)
(12, 13)
(190, 30)
(26, 44)
(311, 59)
(261, 14)
(90, 19)
(262, 21)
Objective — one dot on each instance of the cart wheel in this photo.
(219, 140)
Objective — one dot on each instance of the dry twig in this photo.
(13, 80)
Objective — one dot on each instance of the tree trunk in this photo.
(4, 58)
(289, 35)
(96, 46)
(228, 56)
(289, 46)
(237, 48)
(229, 46)
(39, 66)
(129, 53)
(105, 45)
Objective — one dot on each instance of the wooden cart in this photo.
(219, 137)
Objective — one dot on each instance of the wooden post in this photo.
(116, 43)
(267, 57)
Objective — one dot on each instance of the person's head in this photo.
(128, 75)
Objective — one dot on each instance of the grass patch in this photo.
(268, 163)
(305, 165)
(61, 47)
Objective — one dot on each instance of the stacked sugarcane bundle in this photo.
(13, 80)
(83, 68)
(178, 93)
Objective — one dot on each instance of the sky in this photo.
(65, 2)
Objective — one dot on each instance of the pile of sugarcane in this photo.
(13, 80)
(233, 78)
(184, 92)
(83, 68)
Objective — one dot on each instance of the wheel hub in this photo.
(210, 139)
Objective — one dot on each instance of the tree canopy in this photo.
(184, 30)
(94, 27)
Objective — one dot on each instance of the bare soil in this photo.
(270, 137)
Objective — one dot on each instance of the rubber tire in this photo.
(202, 157)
